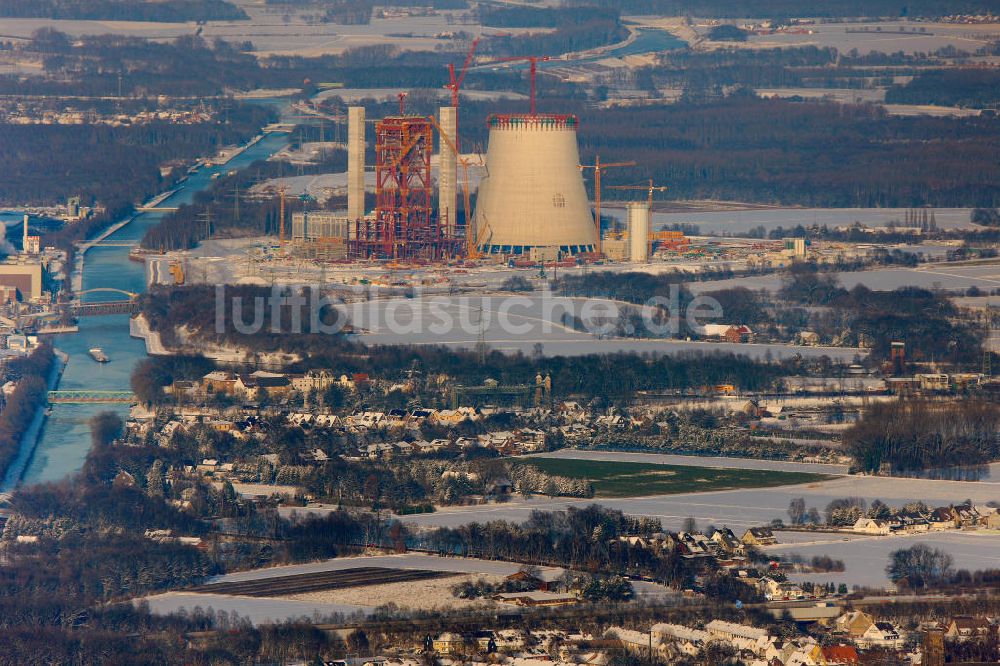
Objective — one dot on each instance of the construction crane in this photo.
(534, 60)
(650, 188)
(402, 102)
(456, 82)
(471, 239)
(281, 214)
(598, 167)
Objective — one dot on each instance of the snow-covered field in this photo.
(356, 600)
(866, 557)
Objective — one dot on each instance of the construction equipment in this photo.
(598, 167)
(177, 272)
(650, 188)
(534, 60)
(281, 214)
(404, 226)
(456, 82)
(470, 237)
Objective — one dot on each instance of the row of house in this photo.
(961, 516)
(755, 645)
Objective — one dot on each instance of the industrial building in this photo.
(532, 202)
(321, 234)
(25, 277)
(405, 225)
(533, 197)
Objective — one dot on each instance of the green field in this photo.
(626, 479)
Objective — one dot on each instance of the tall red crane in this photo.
(534, 60)
(456, 82)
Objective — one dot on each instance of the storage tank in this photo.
(638, 231)
(533, 194)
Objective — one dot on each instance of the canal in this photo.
(66, 438)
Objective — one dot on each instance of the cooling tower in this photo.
(355, 163)
(447, 175)
(638, 231)
(533, 194)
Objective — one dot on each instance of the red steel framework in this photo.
(405, 224)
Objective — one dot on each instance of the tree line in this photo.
(30, 394)
(172, 11)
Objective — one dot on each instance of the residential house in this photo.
(758, 536)
(688, 641)
(449, 643)
(854, 623)
(840, 654)
(728, 542)
(872, 526)
(696, 545)
(219, 381)
(991, 520)
(312, 380)
(780, 590)
(966, 515)
(880, 634)
(272, 384)
(741, 636)
(738, 334)
(943, 518)
(966, 627)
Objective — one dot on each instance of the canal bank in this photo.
(31, 436)
(65, 438)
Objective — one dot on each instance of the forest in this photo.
(108, 165)
(913, 435)
(174, 11)
(976, 87)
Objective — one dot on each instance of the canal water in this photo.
(66, 438)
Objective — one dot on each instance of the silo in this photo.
(638, 231)
(533, 194)
(447, 174)
(355, 163)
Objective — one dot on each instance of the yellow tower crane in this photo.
(649, 188)
(598, 167)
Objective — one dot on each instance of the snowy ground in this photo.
(359, 600)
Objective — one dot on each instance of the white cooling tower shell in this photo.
(533, 194)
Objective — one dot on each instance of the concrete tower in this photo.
(355, 163)
(638, 231)
(447, 175)
(24, 238)
(533, 195)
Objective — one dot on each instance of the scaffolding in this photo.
(405, 225)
